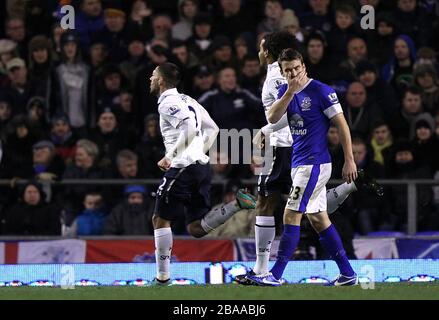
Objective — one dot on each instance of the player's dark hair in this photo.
(290, 55)
(170, 74)
(276, 42)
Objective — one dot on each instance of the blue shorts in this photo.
(278, 177)
(184, 192)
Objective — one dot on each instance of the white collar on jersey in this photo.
(273, 66)
(166, 93)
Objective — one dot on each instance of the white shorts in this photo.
(308, 190)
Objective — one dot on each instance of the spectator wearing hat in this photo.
(115, 34)
(20, 89)
(109, 88)
(273, 12)
(382, 38)
(41, 68)
(201, 39)
(73, 84)
(426, 79)
(151, 148)
(31, 215)
(187, 10)
(202, 81)
(378, 91)
(7, 53)
(360, 114)
(425, 143)
(234, 19)
(222, 54)
(109, 138)
(414, 21)
(317, 62)
(37, 113)
(133, 216)
(15, 28)
(17, 148)
(83, 167)
(290, 22)
(404, 164)
(398, 71)
(319, 18)
(63, 138)
(89, 20)
(230, 106)
(98, 54)
(47, 165)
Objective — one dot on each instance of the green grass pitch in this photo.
(227, 292)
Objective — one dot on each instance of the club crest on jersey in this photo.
(305, 105)
(173, 110)
(278, 83)
(333, 98)
(238, 103)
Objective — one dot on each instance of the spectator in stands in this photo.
(413, 21)
(316, 59)
(381, 41)
(36, 113)
(381, 142)
(405, 165)
(84, 167)
(232, 20)
(203, 80)
(319, 18)
(20, 89)
(222, 53)
(151, 148)
(108, 138)
(91, 221)
(128, 118)
(133, 216)
(73, 82)
(378, 91)
(251, 75)
(201, 39)
(336, 151)
(136, 60)
(140, 18)
(290, 23)
(425, 143)
(108, 91)
(185, 58)
(359, 113)
(356, 52)
(32, 215)
(41, 69)
(411, 107)
(187, 10)
(398, 70)
(63, 138)
(47, 165)
(5, 115)
(162, 28)
(343, 30)
(273, 11)
(98, 53)
(7, 53)
(89, 20)
(426, 79)
(16, 31)
(232, 107)
(364, 208)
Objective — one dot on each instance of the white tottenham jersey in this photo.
(273, 81)
(173, 109)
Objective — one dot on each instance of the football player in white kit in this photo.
(277, 180)
(188, 132)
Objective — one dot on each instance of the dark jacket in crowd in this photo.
(130, 219)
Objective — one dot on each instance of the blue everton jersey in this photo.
(309, 114)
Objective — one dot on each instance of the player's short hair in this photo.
(170, 74)
(276, 42)
(125, 155)
(290, 55)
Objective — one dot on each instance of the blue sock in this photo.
(288, 243)
(331, 242)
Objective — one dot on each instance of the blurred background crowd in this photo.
(75, 104)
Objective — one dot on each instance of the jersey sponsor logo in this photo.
(333, 98)
(296, 125)
(305, 105)
(173, 110)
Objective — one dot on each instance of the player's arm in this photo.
(349, 167)
(280, 106)
(209, 130)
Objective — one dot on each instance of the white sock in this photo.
(216, 217)
(265, 232)
(163, 249)
(338, 195)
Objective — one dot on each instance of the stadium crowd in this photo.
(75, 104)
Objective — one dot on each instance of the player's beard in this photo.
(154, 89)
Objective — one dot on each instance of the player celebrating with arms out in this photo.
(188, 132)
(310, 106)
